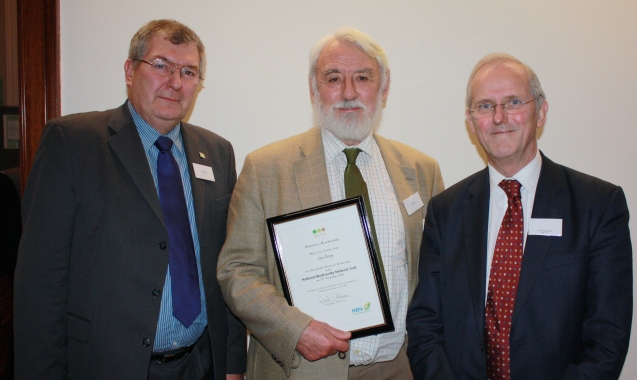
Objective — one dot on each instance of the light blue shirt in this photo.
(171, 334)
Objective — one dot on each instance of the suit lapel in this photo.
(475, 228)
(310, 172)
(128, 148)
(547, 204)
(405, 183)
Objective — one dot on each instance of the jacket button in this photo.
(146, 342)
(341, 355)
(481, 348)
(156, 292)
(163, 245)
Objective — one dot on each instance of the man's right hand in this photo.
(320, 340)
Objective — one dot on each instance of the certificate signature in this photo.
(333, 297)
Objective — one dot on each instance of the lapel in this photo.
(548, 203)
(405, 182)
(127, 146)
(475, 214)
(310, 173)
(193, 148)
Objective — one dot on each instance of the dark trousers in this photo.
(196, 365)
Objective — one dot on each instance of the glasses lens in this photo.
(161, 67)
(165, 68)
(484, 109)
(189, 74)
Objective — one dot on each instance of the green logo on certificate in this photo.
(365, 308)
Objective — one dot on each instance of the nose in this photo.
(499, 116)
(174, 80)
(349, 91)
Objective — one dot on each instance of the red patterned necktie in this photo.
(503, 284)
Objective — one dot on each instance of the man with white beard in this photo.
(349, 83)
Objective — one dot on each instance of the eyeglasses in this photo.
(164, 68)
(510, 107)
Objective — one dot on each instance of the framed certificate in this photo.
(329, 266)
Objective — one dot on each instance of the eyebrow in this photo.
(505, 99)
(337, 71)
(168, 60)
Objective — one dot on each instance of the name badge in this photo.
(203, 172)
(413, 203)
(545, 227)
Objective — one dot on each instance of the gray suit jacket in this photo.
(91, 265)
(280, 178)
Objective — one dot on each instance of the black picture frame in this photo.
(372, 255)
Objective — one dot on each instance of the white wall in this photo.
(584, 52)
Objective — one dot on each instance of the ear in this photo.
(309, 82)
(386, 89)
(128, 70)
(470, 121)
(541, 115)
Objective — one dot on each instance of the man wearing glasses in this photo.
(526, 266)
(124, 216)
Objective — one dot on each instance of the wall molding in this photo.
(38, 74)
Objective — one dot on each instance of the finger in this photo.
(340, 346)
(339, 334)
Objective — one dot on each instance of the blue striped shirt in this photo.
(171, 334)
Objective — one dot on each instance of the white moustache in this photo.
(349, 104)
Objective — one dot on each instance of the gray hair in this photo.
(495, 59)
(364, 42)
(172, 30)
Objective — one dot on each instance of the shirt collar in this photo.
(149, 134)
(334, 146)
(528, 176)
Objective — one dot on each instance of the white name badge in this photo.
(545, 227)
(203, 172)
(413, 203)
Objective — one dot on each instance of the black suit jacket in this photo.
(573, 309)
(92, 261)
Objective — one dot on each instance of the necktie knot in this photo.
(351, 154)
(164, 144)
(511, 187)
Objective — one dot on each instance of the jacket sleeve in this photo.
(245, 272)
(609, 304)
(41, 279)
(237, 337)
(426, 352)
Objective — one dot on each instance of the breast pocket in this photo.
(561, 259)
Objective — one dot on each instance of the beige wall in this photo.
(585, 53)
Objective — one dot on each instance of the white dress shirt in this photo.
(498, 202)
(390, 231)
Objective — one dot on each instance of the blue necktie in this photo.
(181, 254)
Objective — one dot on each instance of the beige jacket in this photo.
(284, 177)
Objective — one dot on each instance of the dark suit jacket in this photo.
(573, 309)
(91, 265)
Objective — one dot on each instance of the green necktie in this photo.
(355, 185)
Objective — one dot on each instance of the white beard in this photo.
(349, 126)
